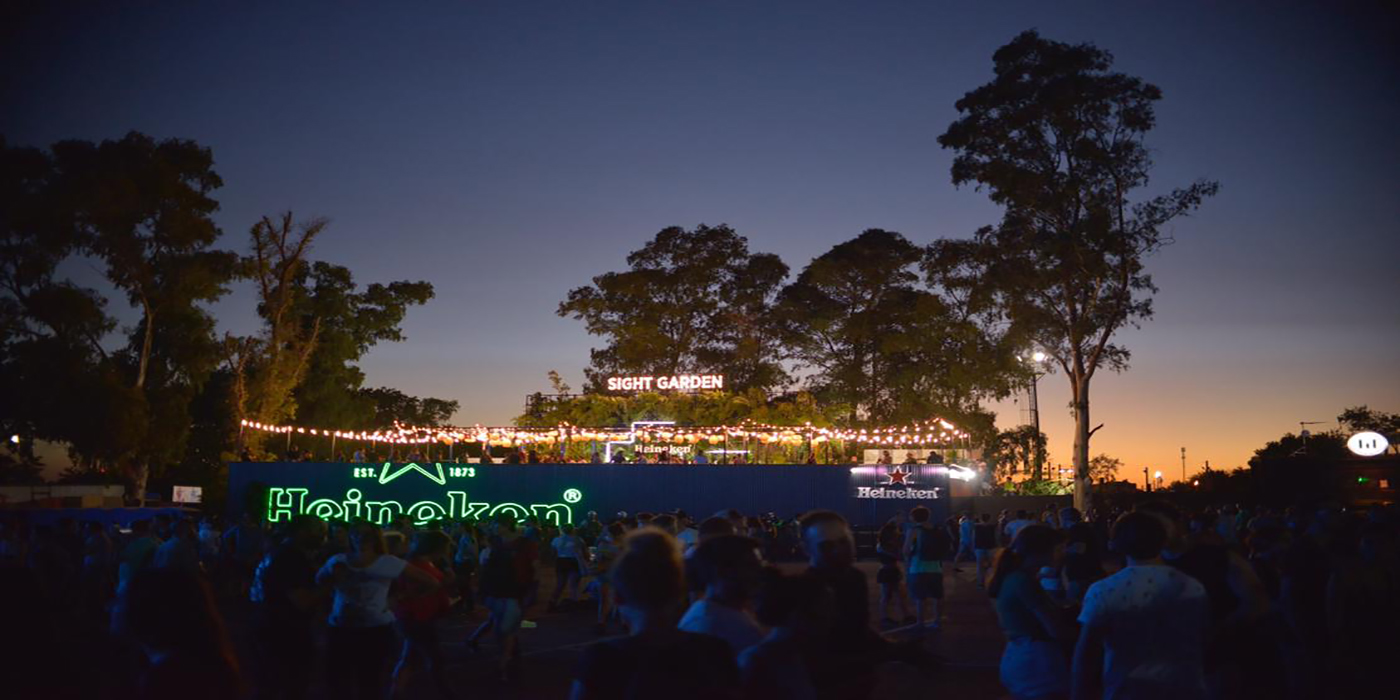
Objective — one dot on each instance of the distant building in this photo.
(1355, 481)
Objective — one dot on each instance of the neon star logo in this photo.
(388, 474)
(900, 476)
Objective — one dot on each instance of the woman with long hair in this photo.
(889, 576)
(360, 637)
(1035, 663)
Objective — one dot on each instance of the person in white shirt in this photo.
(730, 568)
(966, 526)
(1143, 628)
(360, 640)
(688, 536)
(181, 551)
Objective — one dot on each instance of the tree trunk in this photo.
(142, 477)
(1083, 482)
(146, 343)
(143, 469)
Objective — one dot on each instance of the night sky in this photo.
(508, 151)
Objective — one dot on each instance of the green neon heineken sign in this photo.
(455, 503)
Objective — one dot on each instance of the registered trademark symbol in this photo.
(573, 496)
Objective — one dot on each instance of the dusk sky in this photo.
(509, 151)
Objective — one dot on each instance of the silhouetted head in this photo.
(649, 575)
(828, 538)
(1139, 535)
(367, 537)
(729, 566)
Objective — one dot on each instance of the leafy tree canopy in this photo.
(142, 209)
(1321, 445)
(870, 335)
(1104, 468)
(1057, 139)
(391, 405)
(1014, 451)
(1360, 418)
(690, 301)
(352, 321)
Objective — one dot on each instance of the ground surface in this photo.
(969, 643)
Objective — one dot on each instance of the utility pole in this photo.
(1304, 433)
(1146, 480)
(1183, 465)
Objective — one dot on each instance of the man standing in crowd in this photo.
(1143, 628)
(1021, 520)
(1239, 654)
(138, 553)
(984, 543)
(831, 550)
(688, 535)
(570, 561)
(591, 529)
(730, 569)
(502, 590)
(966, 529)
(181, 551)
(285, 597)
(925, 547)
(244, 545)
(1083, 560)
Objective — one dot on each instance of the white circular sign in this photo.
(1367, 444)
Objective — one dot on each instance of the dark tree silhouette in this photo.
(1057, 140)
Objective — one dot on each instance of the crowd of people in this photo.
(1228, 602)
(1152, 602)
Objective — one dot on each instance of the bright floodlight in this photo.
(1038, 356)
(14, 439)
(1158, 474)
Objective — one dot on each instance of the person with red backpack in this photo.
(925, 548)
(419, 614)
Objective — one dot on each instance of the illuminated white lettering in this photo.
(675, 382)
(884, 493)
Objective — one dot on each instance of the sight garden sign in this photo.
(678, 382)
(564, 493)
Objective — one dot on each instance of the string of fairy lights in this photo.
(935, 432)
